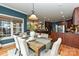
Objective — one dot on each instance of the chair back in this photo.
(23, 34)
(55, 47)
(23, 47)
(16, 42)
(44, 35)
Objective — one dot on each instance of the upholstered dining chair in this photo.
(44, 35)
(24, 34)
(55, 49)
(25, 51)
(16, 43)
(23, 47)
(17, 50)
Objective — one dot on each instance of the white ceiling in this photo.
(46, 11)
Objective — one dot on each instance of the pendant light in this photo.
(33, 16)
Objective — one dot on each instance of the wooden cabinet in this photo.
(48, 26)
(69, 23)
(76, 16)
(69, 45)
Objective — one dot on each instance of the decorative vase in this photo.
(32, 33)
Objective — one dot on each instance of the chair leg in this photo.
(20, 53)
(16, 50)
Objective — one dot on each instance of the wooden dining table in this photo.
(36, 46)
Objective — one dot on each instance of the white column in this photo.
(63, 28)
(22, 25)
(56, 28)
(11, 28)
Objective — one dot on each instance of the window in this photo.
(5, 29)
(10, 26)
(17, 28)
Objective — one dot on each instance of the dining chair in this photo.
(23, 47)
(24, 34)
(12, 52)
(55, 49)
(25, 51)
(17, 44)
(44, 35)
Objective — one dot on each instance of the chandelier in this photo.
(33, 16)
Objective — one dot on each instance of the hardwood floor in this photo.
(68, 51)
(4, 50)
(64, 51)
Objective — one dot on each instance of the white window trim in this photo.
(63, 28)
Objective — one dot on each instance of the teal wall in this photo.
(7, 11)
(7, 41)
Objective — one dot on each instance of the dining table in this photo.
(36, 46)
(39, 44)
